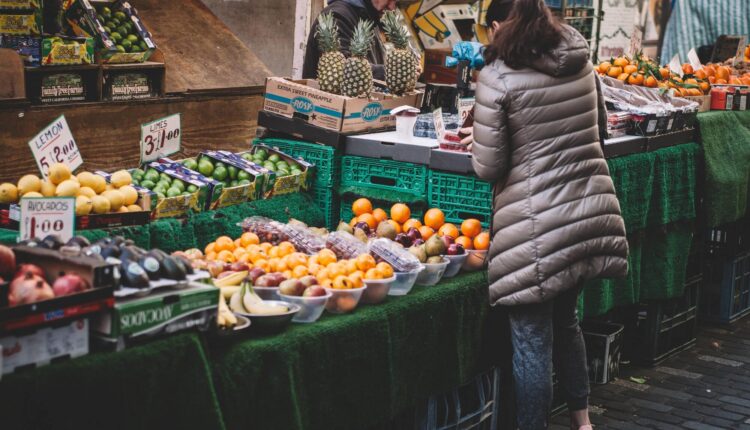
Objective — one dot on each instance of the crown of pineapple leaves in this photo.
(394, 31)
(327, 33)
(362, 38)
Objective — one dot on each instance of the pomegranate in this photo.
(7, 260)
(33, 268)
(69, 284)
(29, 288)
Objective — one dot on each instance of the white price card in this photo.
(437, 118)
(695, 62)
(47, 215)
(160, 138)
(636, 41)
(465, 105)
(675, 65)
(55, 144)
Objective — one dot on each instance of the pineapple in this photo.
(357, 80)
(400, 64)
(331, 63)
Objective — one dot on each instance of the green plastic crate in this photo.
(326, 159)
(329, 202)
(417, 210)
(384, 174)
(460, 197)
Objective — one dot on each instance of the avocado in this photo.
(184, 263)
(52, 241)
(133, 275)
(171, 269)
(151, 266)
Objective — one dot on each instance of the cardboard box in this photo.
(446, 25)
(302, 99)
(45, 345)
(10, 216)
(85, 21)
(730, 97)
(21, 23)
(280, 185)
(229, 196)
(704, 102)
(28, 48)
(57, 51)
(163, 312)
(21, 4)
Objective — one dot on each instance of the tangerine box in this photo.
(303, 99)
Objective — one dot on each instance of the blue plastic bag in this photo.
(466, 51)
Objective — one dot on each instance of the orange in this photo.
(286, 248)
(326, 283)
(322, 275)
(280, 265)
(412, 223)
(471, 227)
(395, 225)
(209, 248)
(350, 266)
(353, 222)
(691, 81)
(211, 256)
(326, 257)
(651, 82)
(623, 77)
(720, 81)
(664, 72)
(465, 241)
(255, 256)
(482, 241)
(710, 70)
(745, 81)
(300, 271)
(380, 215)
(400, 213)
(245, 258)
(448, 230)
(313, 259)
(635, 79)
(722, 73)
(630, 69)
(313, 269)
(237, 243)
(614, 71)
(249, 238)
(274, 252)
(357, 279)
(434, 218)
(296, 259)
(365, 262)
(734, 80)
(603, 67)
(226, 256)
(705, 87)
(426, 232)
(224, 243)
(621, 61)
(368, 219)
(701, 74)
(361, 206)
(263, 264)
(265, 246)
(385, 269)
(342, 282)
(687, 69)
(239, 252)
(373, 274)
(287, 274)
(712, 79)
(336, 269)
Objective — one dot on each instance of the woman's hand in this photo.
(468, 132)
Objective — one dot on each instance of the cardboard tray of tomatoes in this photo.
(100, 276)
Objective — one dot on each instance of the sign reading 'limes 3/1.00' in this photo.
(55, 144)
(161, 138)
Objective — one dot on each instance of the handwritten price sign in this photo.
(160, 138)
(43, 216)
(55, 144)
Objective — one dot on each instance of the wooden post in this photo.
(304, 14)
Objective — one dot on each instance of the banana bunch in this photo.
(225, 317)
(246, 301)
(231, 279)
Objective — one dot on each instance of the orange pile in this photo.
(346, 274)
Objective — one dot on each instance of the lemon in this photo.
(58, 173)
(28, 184)
(48, 189)
(68, 188)
(120, 178)
(115, 198)
(86, 191)
(109, 187)
(84, 205)
(123, 209)
(100, 184)
(86, 179)
(32, 194)
(8, 193)
(134, 208)
(100, 204)
(130, 194)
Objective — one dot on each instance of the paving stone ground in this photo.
(704, 388)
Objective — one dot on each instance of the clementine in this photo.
(434, 218)
(380, 215)
(400, 213)
(448, 229)
(362, 206)
(224, 243)
(368, 219)
(249, 238)
(412, 223)
(471, 227)
(426, 232)
(482, 241)
(465, 241)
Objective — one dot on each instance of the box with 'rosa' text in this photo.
(303, 99)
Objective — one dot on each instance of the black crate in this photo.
(603, 349)
(726, 294)
(41, 90)
(728, 239)
(665, 327)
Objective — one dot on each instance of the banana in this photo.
(235, 303)
(255, 304)
(226, 292)
(231, 280)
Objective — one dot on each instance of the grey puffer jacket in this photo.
(556, 219)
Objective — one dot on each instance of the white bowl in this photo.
(267, 293)
(454, 265)
(344, 301)
(377, 290)
(432, 273)
(404, 282)
(311, 308)
(475, 260)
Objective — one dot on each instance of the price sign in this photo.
(437, 118)
(695, 62)
(675, 65)
(160, 138)
(48, 215)
(55, 144)
(465, 105)
(636, 40)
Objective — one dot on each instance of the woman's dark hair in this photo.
(498, 11)
(529, 32)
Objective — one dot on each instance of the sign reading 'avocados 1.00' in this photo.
(55, 144)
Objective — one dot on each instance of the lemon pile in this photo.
(92, 192)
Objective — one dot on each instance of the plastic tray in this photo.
(460, 197)
(384, 174)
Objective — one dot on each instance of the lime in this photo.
(220, 164)
(106, 12)
(186, 193)
(220, 172)
(178, 184)
(148, 184)
(135, 48)
(108, 30)
(151, 175)
(120, 15)
(121, 49)
(117, 37)
(163, 184)
(243, 182)
(296, 172)
(173, 192)
(159, 190)
(232, 172)
(126, 44)
(192, 188)
(129, 26)
(269, 165)
(233, 183)
(281, 165)
(165, 177)
(136, 181)
(137, 173)
(274, 157)
(243, 175)
(247, 156)
(132, 38)
(143, 45)
(205, 167)
(111, 24)
(261, 153)
(190, 164)
(161, 195)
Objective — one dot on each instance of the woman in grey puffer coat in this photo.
(556, 219)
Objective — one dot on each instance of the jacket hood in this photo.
(570, 56)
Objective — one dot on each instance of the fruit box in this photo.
(704, 102)
(208, 190)
(100, 275)
(287, 184)
(21, 4)
(43, 346)
(303, 99)
(10, 215)
(85, 21)
(21, 23)
(27, 47)
(164, 312)
(67, 50)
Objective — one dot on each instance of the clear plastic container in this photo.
(474, 260)
(394, 254)
(267, 229)
(303, 239)
(452, 142)
(432, 273)
(311, 308)
(454, 265)
(345, 245)
(343, 301)
(404, 282)
(377, 290)
(267, 293)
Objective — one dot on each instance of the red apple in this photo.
(291, 287)
(456, 249)
(7, 260)
(239, 267)
(33, 268)
(254, 274)
(314, 291)
(69, 284)
(447, 240)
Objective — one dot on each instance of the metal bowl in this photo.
(236, 332)
(272, 323)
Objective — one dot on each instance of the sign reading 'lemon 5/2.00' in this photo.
(55, 144)
(161, 138)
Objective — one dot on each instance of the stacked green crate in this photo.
(460, 197)
(327, 161)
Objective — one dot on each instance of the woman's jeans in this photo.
(534, 331)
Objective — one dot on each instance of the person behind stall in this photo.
(347, 13)
(556, 219)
